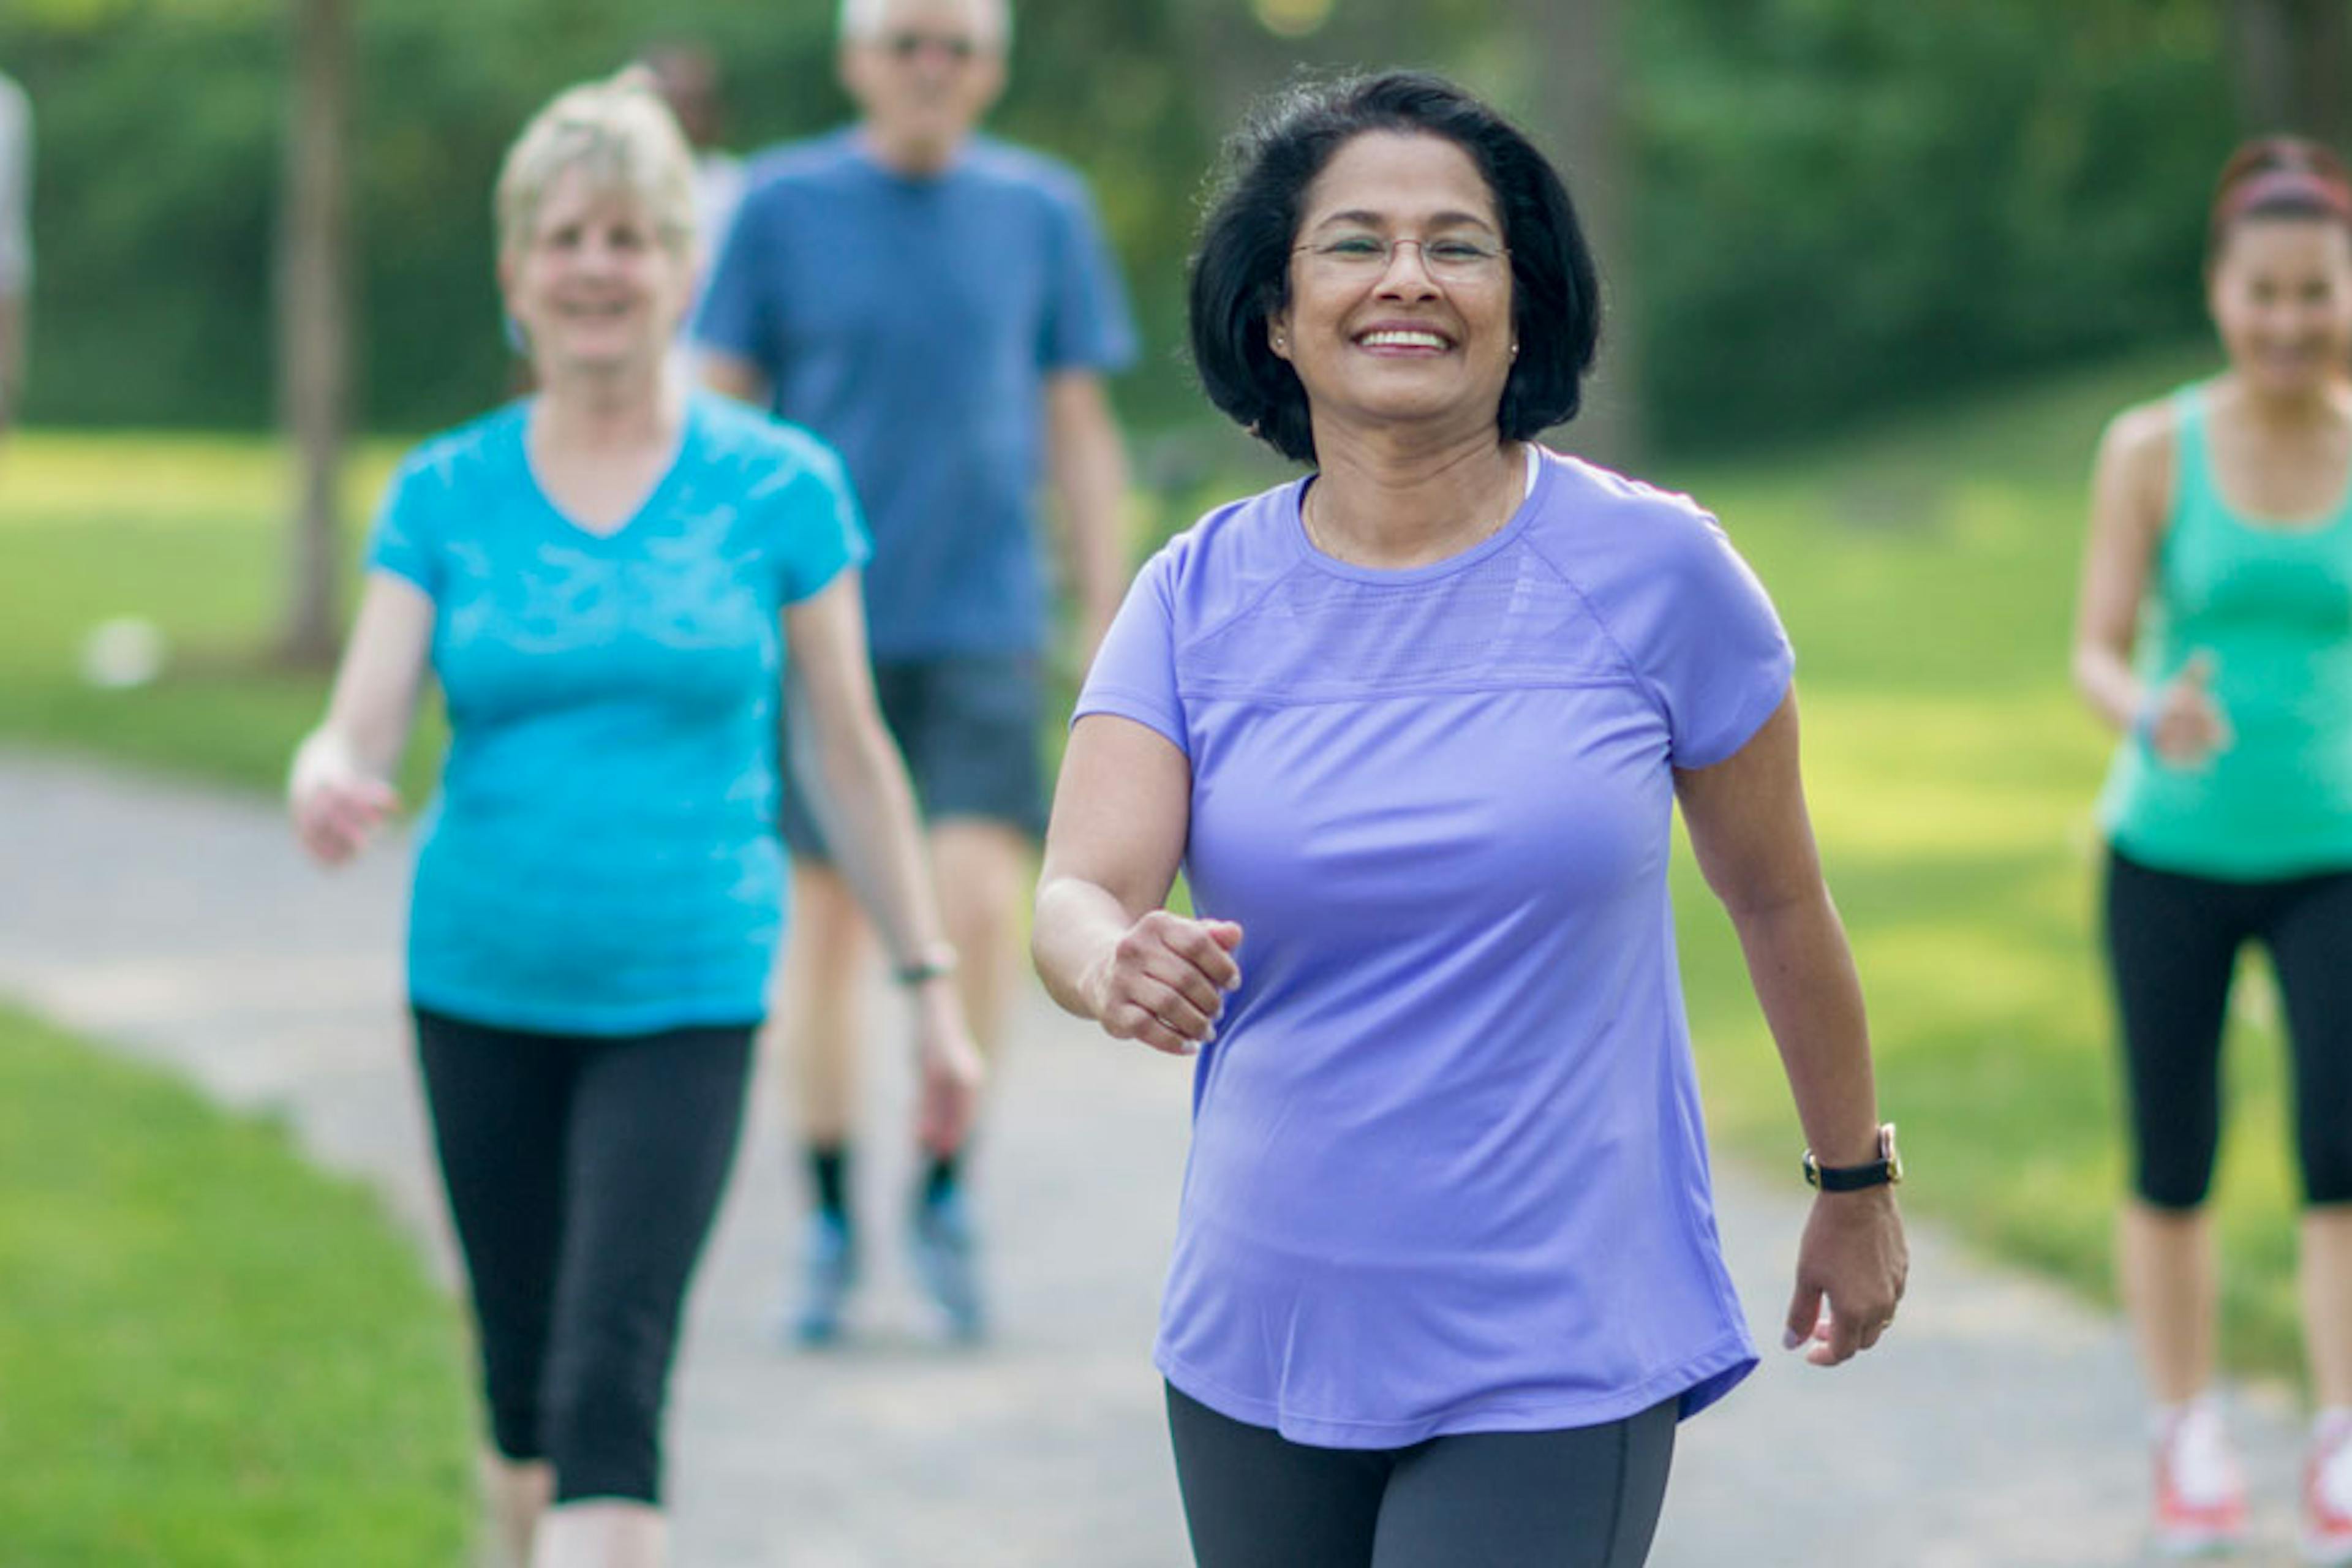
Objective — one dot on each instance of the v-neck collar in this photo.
(654, 499)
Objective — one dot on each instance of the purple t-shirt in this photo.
(1448, 1172)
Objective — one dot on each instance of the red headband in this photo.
(2282, 188)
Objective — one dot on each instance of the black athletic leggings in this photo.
(2172, 945)
(582, 1174)
(1586, 1497)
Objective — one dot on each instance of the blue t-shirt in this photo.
(602, 856)
(1447, 1171)
(912, 323)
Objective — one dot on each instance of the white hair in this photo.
(863, 20)
(623, 135)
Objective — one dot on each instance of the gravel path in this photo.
(1996, 1427)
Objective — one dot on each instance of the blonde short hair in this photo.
(621, 132)
(863, 20)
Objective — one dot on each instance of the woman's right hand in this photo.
(1164, 982)
(2184, 725)
(337, 805)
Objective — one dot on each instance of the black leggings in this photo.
(1586, 1497)
(582, 1175)
(2172, 945)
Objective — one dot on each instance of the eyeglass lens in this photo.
(907, 45)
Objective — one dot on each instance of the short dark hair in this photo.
(1239, 273)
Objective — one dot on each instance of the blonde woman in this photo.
(613, 580)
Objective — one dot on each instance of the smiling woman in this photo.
(617, 582)
(1414, 728)
(2212, 631)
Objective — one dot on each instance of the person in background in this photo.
(942, 307)
(614, 581)
(16, 248)
(2214, 632)
(1446, 1273)
(687, 77)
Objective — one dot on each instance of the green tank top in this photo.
(2274, 608)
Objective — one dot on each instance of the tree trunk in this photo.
(2292, 65)
(314, 319)
(1575, 107)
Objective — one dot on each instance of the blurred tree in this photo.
(1574, 51)
(314, 318)
(2292, 67)
(1843, 206)
(1848, 208)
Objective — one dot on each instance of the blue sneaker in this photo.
(946, 1262)
(828, 1270)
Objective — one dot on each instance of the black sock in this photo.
(939, 1177)
(829, 1168)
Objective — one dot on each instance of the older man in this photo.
(942, 307)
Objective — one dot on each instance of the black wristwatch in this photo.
(1883, 1171)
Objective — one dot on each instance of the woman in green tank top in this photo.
(2215, 632)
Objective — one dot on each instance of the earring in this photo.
(1280, 342)
(1515, 351)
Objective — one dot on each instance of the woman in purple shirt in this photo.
(1446, 1272)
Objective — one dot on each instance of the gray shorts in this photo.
(968, 726)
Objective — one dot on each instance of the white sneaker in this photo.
(2327, 1496)
(2201, 1494)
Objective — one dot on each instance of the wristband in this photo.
(936, 964)
(2143, 723)
(1886, 1171)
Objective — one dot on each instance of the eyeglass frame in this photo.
(1323, 250)
(908, 44)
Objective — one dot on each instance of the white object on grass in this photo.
(122, 652)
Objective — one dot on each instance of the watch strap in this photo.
(1885, 1170)
(935, 964)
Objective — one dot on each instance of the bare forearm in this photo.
(1802, 970)
(1098, 546)
(868, 811)
(2108, 683)
(1089, 473)
(373, 705)
(1077, 925)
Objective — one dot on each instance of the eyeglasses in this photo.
(907, 45)
(1365, 254)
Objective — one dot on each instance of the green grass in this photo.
(1926, 573)
(184, 531)
(209, 1355)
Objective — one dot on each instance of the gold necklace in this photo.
(1308, 506)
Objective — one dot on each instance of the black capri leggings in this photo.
(582, 1174)
(2172, 945)
(1586, 1497)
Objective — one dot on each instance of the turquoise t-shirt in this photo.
(601, 856)
(2272, 606)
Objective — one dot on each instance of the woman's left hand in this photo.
(1851, 1269)
(948, 1069)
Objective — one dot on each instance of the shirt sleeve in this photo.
(1715, 653)
(734, 316)
(407, 538)
(1134, 673)
(819, 530)
(1087, 325)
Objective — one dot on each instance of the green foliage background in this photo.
(1839, 204)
